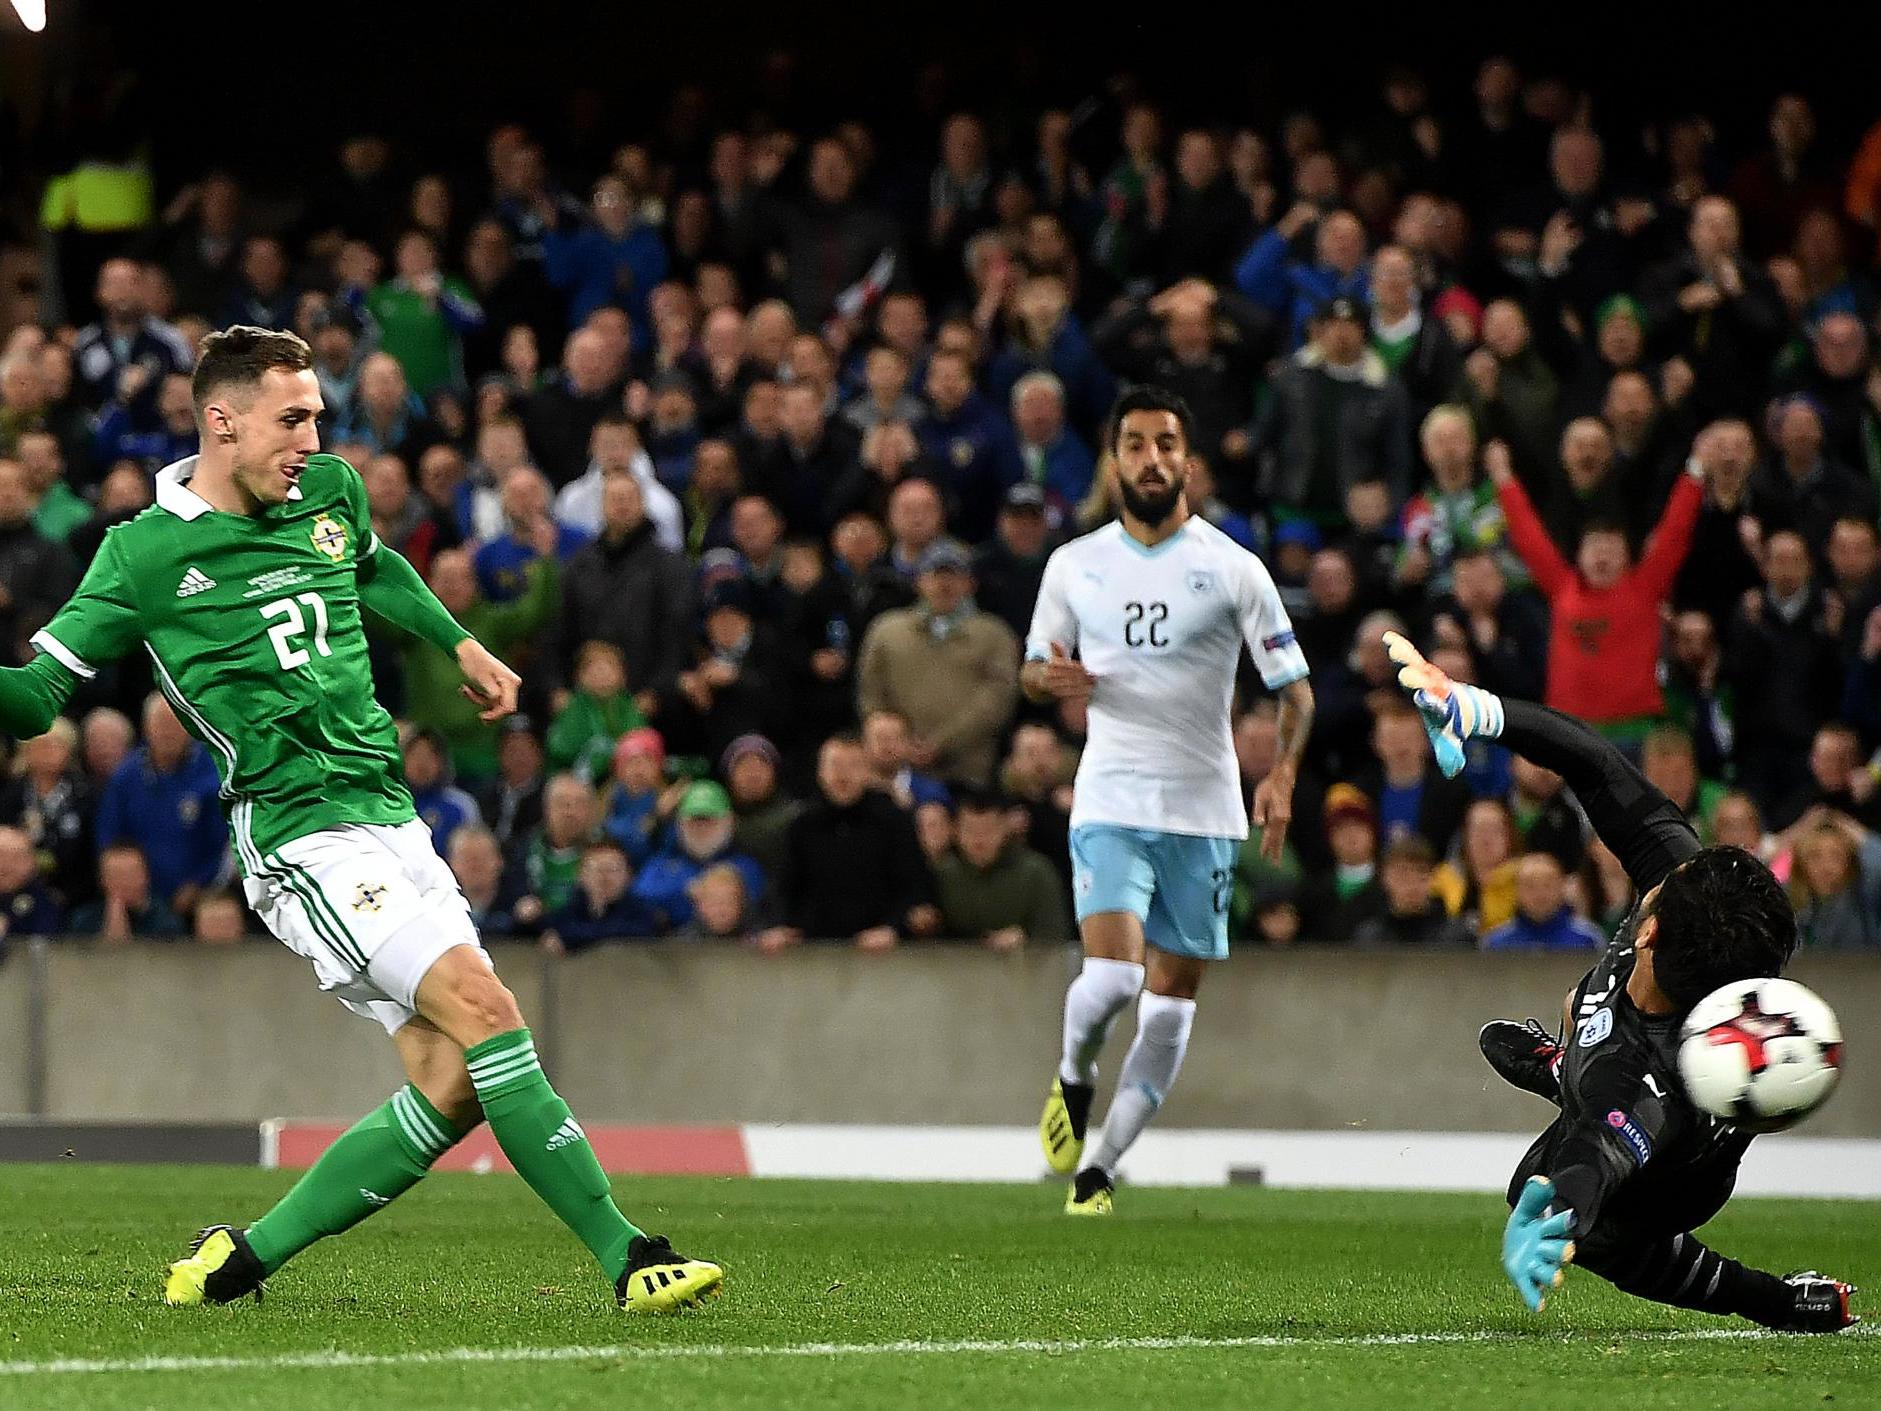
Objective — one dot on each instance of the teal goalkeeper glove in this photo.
(1535, 1245)
(1452, 712)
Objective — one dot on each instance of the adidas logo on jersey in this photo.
(195, 581)
(566, 1134)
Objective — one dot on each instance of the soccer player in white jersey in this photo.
(1144, 620)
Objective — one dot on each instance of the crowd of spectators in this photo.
(748, 449)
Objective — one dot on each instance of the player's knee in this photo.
(464, 998)
(1165, 1019)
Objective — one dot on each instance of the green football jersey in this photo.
(253, 626)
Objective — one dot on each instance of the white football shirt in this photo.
(1161, 629)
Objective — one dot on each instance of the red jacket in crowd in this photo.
(1603, 649)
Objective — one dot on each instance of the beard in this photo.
(1153, 507)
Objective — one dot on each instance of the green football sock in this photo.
(546, 1145)
(377, 1159)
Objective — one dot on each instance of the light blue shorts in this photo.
(1177, 884)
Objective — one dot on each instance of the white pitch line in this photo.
(724, 1351)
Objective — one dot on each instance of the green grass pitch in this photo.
(466, 1295)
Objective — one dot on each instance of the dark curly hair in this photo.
(1147, 398)
(1722, 918)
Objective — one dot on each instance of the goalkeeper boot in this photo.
(1525, 1055)
(1090, 1193)
(220, 1269)
(1821, 1304)
(1452, 712)
(659, 1280)
(1061, 1129)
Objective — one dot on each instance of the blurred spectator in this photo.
(408, 522)
(949, 668)
(1037, 777)
(611, 259)
(814, 453)
(750, 767)
(1334, 904)
(1456, 513)
(1336, 418)
(601, 906)
(599, 711)
(1798, 487)
(1502, 632)
(1046, 336)
(163, 802)
(105, 741)
(1412, 796)
(528, 533)
(830, 240)
(1738, 823)
(477, 863)
(1722, 564)
(739, 676)
(1417, 349)
(625, 589)
(1207, 346)
(432, 679)
(560, 415)
(220, 920)
(1008, 571)
(1543, 920)
(1513, 394)
(118, 437)
(1784, 664)
(49, 799)
(1835, 779)
(1209, 221)
(1296, 287)
(702, 838)
(27, 905)
(1775, 186)
(887, 374)
(385, 414)
(916, 520)
(968, 439)
(853, 869)
(720, 909)
(36, 575)
(125, 355)
(262, 295)
(1044, 453)
(1479, 887)
(614, 449)
(1839, 381)
(993, 887)
(1716, 310)
(1413, 916)
(511, 800)
(1603, 648)
(888, 746)
(551, 854)
(1574, 230)
(1670, 763)
(1546, 814)
(128, 910)
(1835, 884)
(442, 806)
(1700, 697)
(639, 801)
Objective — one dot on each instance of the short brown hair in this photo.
(240, 356)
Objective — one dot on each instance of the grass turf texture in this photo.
(473, 1262)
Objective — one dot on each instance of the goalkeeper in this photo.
(1629, 1167)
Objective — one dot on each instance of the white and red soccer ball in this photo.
(1760, 1054)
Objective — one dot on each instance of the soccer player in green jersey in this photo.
(245, 583)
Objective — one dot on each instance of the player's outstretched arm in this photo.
(32, 695)
(1643, 827)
